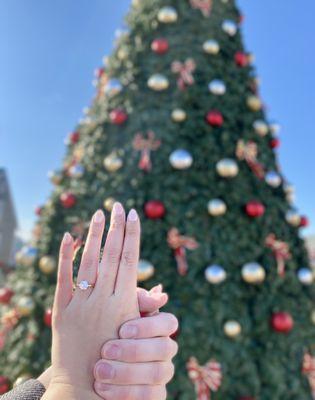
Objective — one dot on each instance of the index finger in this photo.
(127, 274)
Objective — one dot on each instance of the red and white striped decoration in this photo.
(205, 6)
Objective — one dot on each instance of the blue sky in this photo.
(49, 50)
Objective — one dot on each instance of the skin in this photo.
(99, 313)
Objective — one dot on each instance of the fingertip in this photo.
(157, 289)
(67, 239)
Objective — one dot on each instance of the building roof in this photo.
(5, 194)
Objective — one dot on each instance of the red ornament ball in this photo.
(160, 46)
(241, 59)
(304, 221)
(274, 143)
(118, 116)
(74, 137)
(48, 317)
(214, 118)
(99, 72)
(255, 209)
(154, 209)
(38, 210)
(282, 322)
(4, 384)
(5, 295)
(68, 199)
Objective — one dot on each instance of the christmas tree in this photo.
(178, 131)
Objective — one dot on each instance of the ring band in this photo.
(84, 285)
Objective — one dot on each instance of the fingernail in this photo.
(98, 216)
(118, 208)
(102, 387)
(133, 216)
(157, 289)
(113, 352)
(128, 332)
(67, 238)
(105, 371)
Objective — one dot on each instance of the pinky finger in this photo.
(64, 287)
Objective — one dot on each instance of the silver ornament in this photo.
(229, 27)
(275, 128)
(158, 82)
(76, 171)
(261, 128)
(273, 179)
(253, 273)
(216, 207)
(227, 168)
(305, 276)
(181, 159)
(167, 15)
(211, 46)
(113, 162)
(179, 115)
(113, 87)
(145, 270)
(217, 87)
(232, 329)
(293, 218)
(215, 274)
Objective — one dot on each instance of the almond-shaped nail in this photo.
(133, 216)
(118, 209)
(98, 216)
(67, 238)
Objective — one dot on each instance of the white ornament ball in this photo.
(261, 128)
(181, 159)
(232, 329)
(293, 218)
(158, 82)
(273, 179)
(112, 162)
(217, 87)
(253, 273)
(216, 207)
(179, 115)
(215, 274)
(167, 15)
(76, 171)
(211, 46)
(305, 276)
(275, 128)
(145, 270)
(227, 168)
(229, 27)
(113, 87)
(25, 306)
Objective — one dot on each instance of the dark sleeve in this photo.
(30, 390)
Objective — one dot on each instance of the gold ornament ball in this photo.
(179, 115)
(293, 218)
(109, 203)
(112, 162)
(21, 379)
(253, 273)
(254, 103)
(167, 15)
(158, 82)
(25, 306)
(145, 270)
(261, 128)
(211, 46)
(47, 264)
(232, 329)
(216, 207)
(227, 168)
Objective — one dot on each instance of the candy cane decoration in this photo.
(146, 146)
(205, 6)
(179, 244)
(185, 72)
(206, 378)
(309, 370)
(280, 251)
(248, 152)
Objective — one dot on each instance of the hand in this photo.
(138, 365)
(85, 320)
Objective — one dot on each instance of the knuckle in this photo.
(117, 223)
(132, 229)
(157, 373)
(133, 351)
(129, 258)
(114, 256)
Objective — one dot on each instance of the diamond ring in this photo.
(84, 285)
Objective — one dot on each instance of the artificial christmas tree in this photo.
(178, 130)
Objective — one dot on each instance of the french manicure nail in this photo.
(98, 216)
(105, 371)
(128, 332)
(133, 216)
(118, 208)
(67, 238)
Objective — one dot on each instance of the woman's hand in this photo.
(85, 320)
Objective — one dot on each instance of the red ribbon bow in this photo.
(179, 244)
(309, 370)
(248, 152)
(184, 70)
(205, 6)
(146, 145)
(280, 250)
(206, 378)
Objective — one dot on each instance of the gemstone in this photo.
(84, 285)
